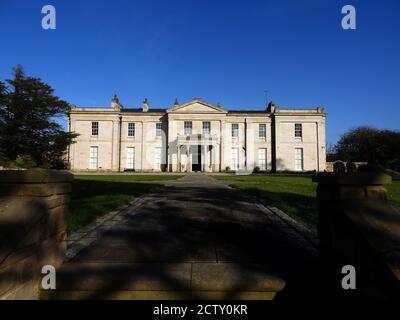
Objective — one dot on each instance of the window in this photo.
(93, 157)
(157, 158)
(298, 159)
(95, 128)
(188, 127)
(262, 159)
(131, 129)
(235, 130)
(158, 129)
(206, 127)
(298, 130)
(262, 131)
(235, 159)
(130, 158)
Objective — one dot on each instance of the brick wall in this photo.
(33, 212)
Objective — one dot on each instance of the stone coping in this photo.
(35, 176)
(359, 178)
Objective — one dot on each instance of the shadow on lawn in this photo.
(91, 199)
(301, 208)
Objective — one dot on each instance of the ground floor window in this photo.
(93, 157)
(298, 159)
(130, 158)
(262, 159)
(157, 158)
(235, 159)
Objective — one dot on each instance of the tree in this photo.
(28, 110)
(377, 147)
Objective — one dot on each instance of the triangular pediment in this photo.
(196, 106)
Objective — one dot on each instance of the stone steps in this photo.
(148, 281)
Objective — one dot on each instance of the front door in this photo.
(196, 158)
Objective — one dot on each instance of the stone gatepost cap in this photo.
(35, 176)
(358, 178)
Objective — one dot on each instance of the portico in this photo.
(198, 152)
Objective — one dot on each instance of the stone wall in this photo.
(33, 212)
(329, 165)
(358, 227)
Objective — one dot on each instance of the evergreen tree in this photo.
(28, 110)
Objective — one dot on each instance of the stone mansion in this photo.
(196, 136)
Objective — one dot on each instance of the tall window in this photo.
(95, 128)
(130, 158)
(262, 131)
(235, 130)
(206, 127)
(188, 127)
(235, 158)
(157, 158)
(298, 159)
(262, 159)
(298, 130)
(93, 157)
(158, 129)
(131, 129)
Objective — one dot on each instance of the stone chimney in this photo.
(115, 103)
(271, 107)
(145, 107)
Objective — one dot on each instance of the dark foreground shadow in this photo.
(191, 240)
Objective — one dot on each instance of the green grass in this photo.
(393, 190)
(296, 196)
(93, 196)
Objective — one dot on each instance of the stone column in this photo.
(178, 158)
(189, 159)
(33, 222)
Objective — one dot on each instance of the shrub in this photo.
(228, 169)
(351, 167)
(256, 170)
(339, 166)
(394, 164)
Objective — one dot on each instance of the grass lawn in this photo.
(296, 196)
(93, 196)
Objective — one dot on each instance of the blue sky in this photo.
(221, 51)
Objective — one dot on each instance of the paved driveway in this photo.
(193, 238)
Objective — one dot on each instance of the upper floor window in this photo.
(206, 127)
(95, 128)
(131, 129)
(188, 127)
(262, 130)
(235, 130)
(298, 130)
(158, 129)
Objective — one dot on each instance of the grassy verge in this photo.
(93, 196)
(296, 196)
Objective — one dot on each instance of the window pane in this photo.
(206, 127)
(188, 127)
(262, 131)
(158, 129)
(235, 130)
(130, 158)
(131, 129)
(157, 158)
(95, 128)
(298, 159)
(298, 130)
(235, 158)
(93, 158)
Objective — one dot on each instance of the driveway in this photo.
(193, 238)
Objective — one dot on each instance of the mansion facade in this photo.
(196, 136)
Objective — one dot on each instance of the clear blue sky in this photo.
(221, 51)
